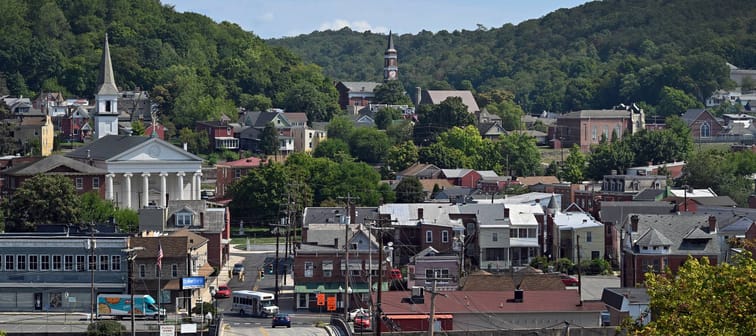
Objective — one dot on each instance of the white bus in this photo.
(253, 303)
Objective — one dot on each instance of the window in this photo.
(33, 262)
(432, 273)
(104, 262)
(237, 173)
(68, 263)
(429, 236)
(81, 263)
(95, 183)
(115, 263)
(589, 236)
(495, 236)
(10, 262)
(595, 255)
(308, 269)
(57, 262)
(21, 262)
(327, 268)
(444, 236)
(44, 264)
(142, 270)
(705, 130)
(79, 183)
(184, 219)
(92, 263)
(496, 254)
(174, 270)
(594, 133)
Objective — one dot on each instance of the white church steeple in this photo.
(106, 99)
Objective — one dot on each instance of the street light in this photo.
(132, 254)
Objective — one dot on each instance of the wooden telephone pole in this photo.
(348, 221)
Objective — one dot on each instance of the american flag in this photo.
(160, 256)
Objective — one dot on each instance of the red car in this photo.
(362, 322)
(223, 292)
(569, 280)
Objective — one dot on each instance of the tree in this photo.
(42, 199)
(703, 299)
(409, 190)
(340, 127)
(391, 93)
(257, 198)
(574, 167)
(332, 148)
(385, 116)
(436, 119)
(521, 155)
(196, 142)
(137, 127)
(674, 102)
(127, 220)
(608, 157)
(369, 144)
(105, 328)
(256, 102)
(94, 209)
(402, 156)
(399, 132)
(269, 139)
(442, 156)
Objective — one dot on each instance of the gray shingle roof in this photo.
(107, 147)
(616, 212)
(676, 229)
(325, 215)
(653, 238)
(54, 164)
(603, 114)
(107, 79)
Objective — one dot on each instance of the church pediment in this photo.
(155, 150)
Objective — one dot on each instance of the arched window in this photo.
(705, 130)
(594, 133)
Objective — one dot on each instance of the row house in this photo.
(578, 236)
(85, 178)
(431, 268)
(228, 173)
(653, 243)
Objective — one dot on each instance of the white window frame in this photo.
(21, 262)
(309, 269)
(183, 219)
(95, 183)
(115, 263)
(79, 182)
(494, 236)
(69, 263)
(56, 266)
(445, 236)
(81, 263)
(429, 236)
(12, 263)
(33, 265)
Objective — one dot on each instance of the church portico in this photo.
(154, 188)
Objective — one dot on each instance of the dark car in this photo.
(569, 280)
(223, 292)
(238, 269)
(282, 320)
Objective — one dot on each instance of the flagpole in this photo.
(159, 283)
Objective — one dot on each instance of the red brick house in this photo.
(702, 123)
(75, 125)
(461, 177)
(587, 127)
(655, 242)
(356, 93)
(84, 177)
(230, 172)
(220, 133)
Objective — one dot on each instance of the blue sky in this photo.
(279, 18)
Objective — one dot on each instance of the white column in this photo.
(162, 190)
(109, 186)
(145, 189)
(128, 176)
(180, 176)
(197, 188)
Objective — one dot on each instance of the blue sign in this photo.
(193, 282)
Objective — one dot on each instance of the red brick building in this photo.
(85, 178)
(587, 127)
(461, 177)
(702, 123)
(230, 172)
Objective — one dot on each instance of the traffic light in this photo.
(270, 268)
(262, 274)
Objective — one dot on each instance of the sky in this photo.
(281, 18)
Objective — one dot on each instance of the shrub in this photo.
(564, 265)
(105, 328)
(540, 263)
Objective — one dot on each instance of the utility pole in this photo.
(434, 292)
(277, 230)
(377, 312)
(132, 254)
(580, 281)
(347, 293)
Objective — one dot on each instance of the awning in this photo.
(333, 287)
(174, 284)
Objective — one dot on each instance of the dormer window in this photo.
(183, 219)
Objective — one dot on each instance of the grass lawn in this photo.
(256, 235)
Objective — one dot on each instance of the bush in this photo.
(203, 308)
(105, 328)
(540, 263)
(564, 265)
(595, 266)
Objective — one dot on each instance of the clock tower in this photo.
(390, 62)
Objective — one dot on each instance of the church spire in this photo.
(107, 79)
(390, 61)
(390, 42)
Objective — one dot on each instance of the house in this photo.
(702, 123)
(421, 171)
(328, 223)
(578, 236)
(453, 194)
(75, 125)
(184, 255)
(227, 173)
(587, 127)
(461, 177)
(485, 117)
(307, 139)
(143, 170)
(627, 302)
(35, 130)
(673, 169)
(430, 265)
(219, 133)
(85, 178)
(621, 185)
(59, 271)
(541, 138)
(356, 93)
(435, 97)
(207, 219)
(527, 279)
(656, 242)
(491, 130)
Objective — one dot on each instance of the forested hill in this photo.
(195, 68)
(594, 55)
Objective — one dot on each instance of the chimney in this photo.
(712, 224)
(518, 294)
(634, 223)
(336, 242)
(506, 212)
(419, 213)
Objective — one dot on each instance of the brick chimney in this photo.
(506, 212)
(634, 223)
(712, 224)
(419, 213)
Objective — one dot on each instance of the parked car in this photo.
(223, 292)
(358, 311)
(362, 322)
(238, 269)
(282, 320)
(569, 280)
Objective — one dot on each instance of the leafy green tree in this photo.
(196, 142)
(334, 149)
(340, 127)
(723, 172)
(436, 119)
(402, 156)
(521, 155)
(385, 116)
(574, 166)
(606, 157)
(127, 220)
(702, 299)
(255, 102)
(409, 190)
(369, 144)
(137, 127)
(399, 132)
(42, 199)
(269, 139)
(257, 198)
(391, 93)
(674, 102)
(105, 328)
(93, 209)
(442, 156)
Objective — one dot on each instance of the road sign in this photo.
(321, 299)
(331, 303)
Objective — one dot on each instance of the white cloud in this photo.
(360, 26)
(267, 17)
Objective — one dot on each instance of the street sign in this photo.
(167, 330)
(331, 303)
(321, 299)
